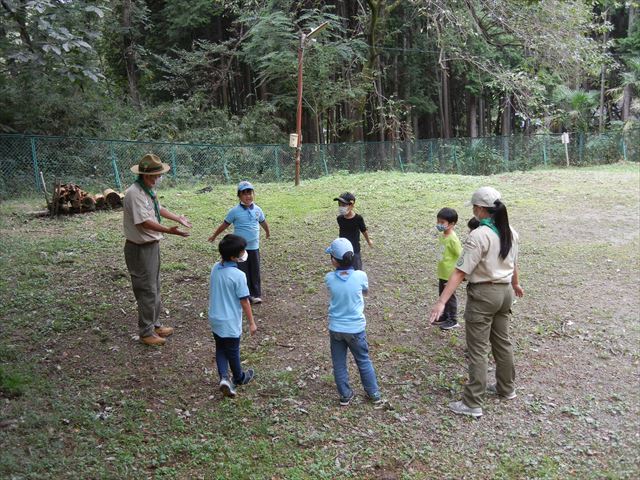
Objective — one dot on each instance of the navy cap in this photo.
(346, 197)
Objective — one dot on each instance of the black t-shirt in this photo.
(350, 229)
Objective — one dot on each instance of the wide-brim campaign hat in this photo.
(150, 164)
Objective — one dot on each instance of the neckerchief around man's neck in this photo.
(488, 222)
(150, 192)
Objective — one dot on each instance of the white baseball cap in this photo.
(484, 197)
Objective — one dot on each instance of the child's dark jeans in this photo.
(357, 344)
(228, 355)
(450, 313)
(251, 269)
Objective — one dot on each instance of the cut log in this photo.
(88, 204)
(100, 202)
(112, 198)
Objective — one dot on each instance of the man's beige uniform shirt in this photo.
(480, 258)
(138, 208)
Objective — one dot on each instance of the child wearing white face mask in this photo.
(351, 225)
(247, 218)
(450, 248)
(228, 300)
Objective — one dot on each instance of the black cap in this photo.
(346, 197)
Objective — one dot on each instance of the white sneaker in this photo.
(491, 389)
(227, 388)
(255, 300)
(460, 408)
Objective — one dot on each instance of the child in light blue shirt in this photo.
(347, 322)
(247, 218)
(228, 298)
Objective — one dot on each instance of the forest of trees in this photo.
(225, 72)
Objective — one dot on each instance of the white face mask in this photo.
(243, 257)
(343, 210)
(157, 181)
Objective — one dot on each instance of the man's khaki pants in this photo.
(143, 263)
(487, 327)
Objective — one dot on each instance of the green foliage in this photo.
(12, 384)
(575, 107)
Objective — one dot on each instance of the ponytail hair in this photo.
(501, 221)
(347, 260)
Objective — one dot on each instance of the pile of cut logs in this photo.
(70, 198)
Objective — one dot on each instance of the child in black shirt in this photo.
(351, 224)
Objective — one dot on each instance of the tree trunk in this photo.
(130, 55)
(445, 101)
(603, 72)
(473, 116)
(506, 116)
(627, 92)
(481, 117)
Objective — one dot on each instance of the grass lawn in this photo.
(81, 398)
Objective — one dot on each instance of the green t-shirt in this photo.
(450, 250)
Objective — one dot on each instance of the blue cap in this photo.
(244, 185)
(339, 247)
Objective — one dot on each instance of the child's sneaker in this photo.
(247, 378)
(255, 300)
(345, 401)
(449, 325)
(227, 388)
(492, 390)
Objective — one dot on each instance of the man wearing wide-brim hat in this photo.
(143, 229)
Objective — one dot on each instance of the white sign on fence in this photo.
(565, 138)
(293, 140)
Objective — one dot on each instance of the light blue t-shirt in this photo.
(227, 286)
(246, 223)
(346, 309)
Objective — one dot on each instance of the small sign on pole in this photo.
(293, 140)
(565, 141)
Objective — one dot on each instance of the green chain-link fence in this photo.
(98, 164)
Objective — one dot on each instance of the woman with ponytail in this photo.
(489, 262)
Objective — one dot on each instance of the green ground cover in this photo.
(81, 398)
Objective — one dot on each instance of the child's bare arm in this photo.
(223, 226)
(455, 279)
(246, 308)
(366, 237)
(265, 227)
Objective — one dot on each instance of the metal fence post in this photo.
(115, 166)
(323, 156)
(34, 159)
(430, 159)
(505, 152)
(276, 160)
(173, 161)
(544, 150)
(455, 158)
(623, 145)
(399, 158)
(225, 171)
(362, 165)
(580, 147)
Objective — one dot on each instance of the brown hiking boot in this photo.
(164, 331)
(153, 340)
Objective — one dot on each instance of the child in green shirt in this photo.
(450, 250)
